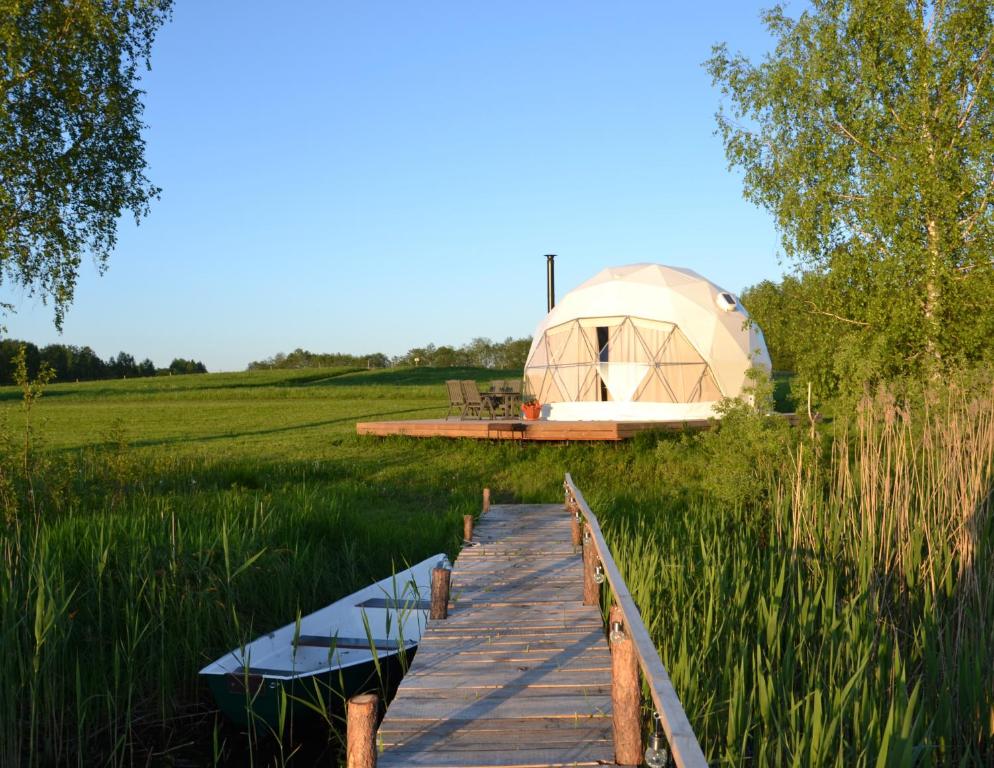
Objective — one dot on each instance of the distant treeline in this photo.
(479, 353)
(72, 363)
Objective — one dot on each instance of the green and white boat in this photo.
(359, 643)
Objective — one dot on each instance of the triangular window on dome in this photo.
(558, 339)
(570, 380)
(533, 382)
(654, 388)
(709, 388)
(581, 349)
(654, 336)
(620, 339)
(550, 391)
(679, 350)
(589, 385)
(684, 379)
(540, 357)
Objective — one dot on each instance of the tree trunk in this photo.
(933, 301)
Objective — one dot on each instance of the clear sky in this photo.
(372, 176)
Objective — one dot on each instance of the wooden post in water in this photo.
(486, 500)
(467, 527)
(591, 589)
(625, 693)
(439, 593)
(360, 731)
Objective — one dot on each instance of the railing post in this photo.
(486, 500)
(360, 731)
(439, 593)
(575, 533)
(467, 527)
(625, 693)
(591, 589)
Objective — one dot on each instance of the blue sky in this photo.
(373, 176)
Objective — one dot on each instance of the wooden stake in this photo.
(360, 731)
(439, 593)
(625, 697)
(467, 527)
(591, 589)
(575, 530)
(486, 500)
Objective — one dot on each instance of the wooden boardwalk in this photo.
(519, 674)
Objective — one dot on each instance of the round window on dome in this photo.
(725, 301)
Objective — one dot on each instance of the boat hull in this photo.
(257, 701)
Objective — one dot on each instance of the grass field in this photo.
(814, 611)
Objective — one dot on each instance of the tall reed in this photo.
(845, 620)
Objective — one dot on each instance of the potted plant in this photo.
(531, 409)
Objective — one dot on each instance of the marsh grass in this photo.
(850, 623)
(833, 610)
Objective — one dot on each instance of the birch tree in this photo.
(868, 133)
(72, 155)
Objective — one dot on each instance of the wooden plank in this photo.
(508, 677)
(504, 741)
(565, 705)
(547, 758)
(545, 726)
(511, 657)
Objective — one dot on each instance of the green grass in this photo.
(167, 520)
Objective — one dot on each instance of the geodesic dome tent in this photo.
(642, 342)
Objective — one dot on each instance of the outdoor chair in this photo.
(456, 399)
(475, 401)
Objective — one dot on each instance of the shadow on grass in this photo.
(158, 385)
(276, 430)
(417, 377)
(324, 377)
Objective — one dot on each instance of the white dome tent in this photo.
(643, 342)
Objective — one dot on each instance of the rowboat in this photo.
(356, 644)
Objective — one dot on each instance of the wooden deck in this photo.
(516, 429)
(519, 674)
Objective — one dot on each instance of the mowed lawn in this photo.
(259, 414)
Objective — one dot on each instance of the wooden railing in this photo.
(683, 743)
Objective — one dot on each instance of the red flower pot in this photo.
(531, 411)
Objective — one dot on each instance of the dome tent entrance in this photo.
(642, 342)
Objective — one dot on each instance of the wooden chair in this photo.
(456, 399)
(475, 401)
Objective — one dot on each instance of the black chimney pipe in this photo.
(550, 281)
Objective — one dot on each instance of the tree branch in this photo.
(979, 72)
(834, 316)
(837, 125)
(972, 219)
